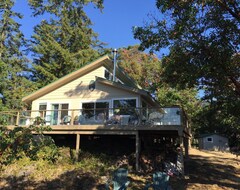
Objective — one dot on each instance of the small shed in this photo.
(213, 141)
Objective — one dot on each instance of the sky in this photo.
(113, 25)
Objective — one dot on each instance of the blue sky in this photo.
(114, 24)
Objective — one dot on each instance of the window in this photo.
(124, 106)
(59, 111)
(209, 139)
(95, 109)
(42, 110)
(108, 75)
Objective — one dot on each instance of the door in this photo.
(58, 112)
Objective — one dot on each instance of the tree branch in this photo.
(236, 84)
(224, 5)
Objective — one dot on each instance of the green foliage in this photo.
(21, 142)
(99, 163)
(203, 41)
(144, 68)
(65, 42)
(203, 37)
(148, 71)
(14, 83)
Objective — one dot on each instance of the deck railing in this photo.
(114, 116)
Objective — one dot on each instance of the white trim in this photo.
(58, 103)
(94, 101)
(127, 98)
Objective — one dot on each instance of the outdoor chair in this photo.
(119, 180)
(47, 119)
(160, 182)
(66, 120)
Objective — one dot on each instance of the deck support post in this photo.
(180, 154)
(77, 146)
(186, 147)
(18, 118)
(137, 150)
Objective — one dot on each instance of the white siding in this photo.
(77, 91)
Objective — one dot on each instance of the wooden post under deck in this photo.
(17, 120)
(137, 151)
(77, 145)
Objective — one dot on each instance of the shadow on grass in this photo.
(200, 169)
(74, 180)
(204, 171)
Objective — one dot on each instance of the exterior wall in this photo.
(77, 91)
(218, 143)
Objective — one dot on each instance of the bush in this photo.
(20, 142)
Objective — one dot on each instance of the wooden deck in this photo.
(109, 129)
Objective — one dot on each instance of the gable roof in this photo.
(102, 61)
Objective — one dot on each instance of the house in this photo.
(213, 141)
(89, 102)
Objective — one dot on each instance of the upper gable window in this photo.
(108, 75)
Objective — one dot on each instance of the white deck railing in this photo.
(115, 116)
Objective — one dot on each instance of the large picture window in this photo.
(124, 106)
(95, 110)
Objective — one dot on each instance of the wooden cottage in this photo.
(89, 102)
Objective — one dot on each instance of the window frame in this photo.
(94, 102)
(208, 139)
(127, 98)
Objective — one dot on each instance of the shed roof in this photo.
(210, 134)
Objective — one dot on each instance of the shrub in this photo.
(20, 142)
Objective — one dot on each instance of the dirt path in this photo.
(209, 170)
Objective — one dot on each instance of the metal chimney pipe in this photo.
(114, 64)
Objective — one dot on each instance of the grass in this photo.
(204, 171)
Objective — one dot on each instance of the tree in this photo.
(203, 40)
(148, 71)
(14, 83)
(65, 42)
(144, 68)
(203, 37)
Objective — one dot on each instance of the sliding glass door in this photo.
(58, 112)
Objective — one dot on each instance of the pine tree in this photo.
(13, 65)
(64, 42)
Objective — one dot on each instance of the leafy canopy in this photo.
(203, 40)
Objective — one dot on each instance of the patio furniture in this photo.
(48, 119)
(119, 180)
(66, 120)
(160, 182)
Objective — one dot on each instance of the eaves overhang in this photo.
(104, 60)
